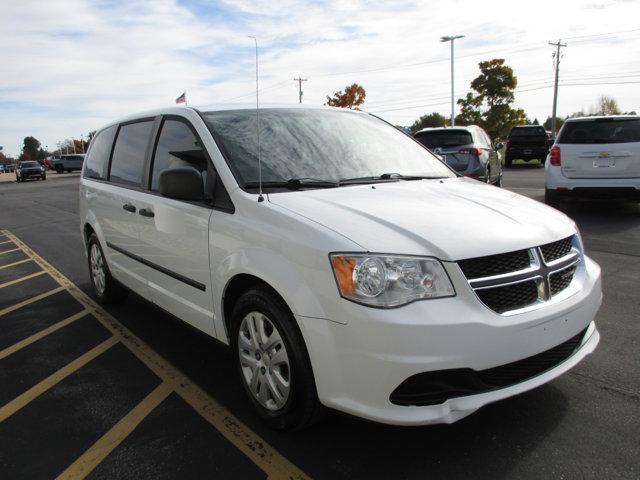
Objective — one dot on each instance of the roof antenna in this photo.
(260, 197)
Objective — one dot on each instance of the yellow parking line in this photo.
(17, 403)
(110, 440)
(236, 432)
(15, 263)
(9, 251)
(22, 279)
(28, 301)
(42, 333)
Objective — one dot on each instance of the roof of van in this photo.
(600, 117)
(217, 108)
(455, 127)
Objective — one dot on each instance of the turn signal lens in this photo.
(389, 280)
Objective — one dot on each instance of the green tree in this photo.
(352, 97)
(548, 121)
(31, 149)
(489, 105)
(429, 121)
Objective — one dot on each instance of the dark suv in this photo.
(527, 142)
(30, 169)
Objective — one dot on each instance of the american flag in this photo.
(182, 98)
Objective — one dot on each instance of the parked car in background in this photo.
(48, 162)
(467, 150)
(68, 163)
(526, 142)
(2, 168)
(595, 156)
(474, 294)
(30, 169)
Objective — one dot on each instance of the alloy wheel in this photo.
(264, 361)
(97, 269)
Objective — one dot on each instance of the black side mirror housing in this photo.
(184, 183)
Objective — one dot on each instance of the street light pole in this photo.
(453, 111)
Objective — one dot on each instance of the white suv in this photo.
(595, 156)
(365, 276)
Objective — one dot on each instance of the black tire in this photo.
(508, 161)
(112, 292)
(59, 170)
(551, 198)
(44, 177)
(302, 407)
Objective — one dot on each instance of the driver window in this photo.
(177, 147)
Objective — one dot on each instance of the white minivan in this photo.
(595, 156)
(344, 264)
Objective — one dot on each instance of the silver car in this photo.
(468, 150)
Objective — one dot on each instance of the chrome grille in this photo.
(555, 250)
(511, 284)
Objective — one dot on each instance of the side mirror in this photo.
(498, 146)
(184, 183)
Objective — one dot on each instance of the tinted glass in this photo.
(177, 147)
(128, 153)
(29, 164)
(601, 130)
(316, 143)
(444, 138)
(527, 131)
(98, 155)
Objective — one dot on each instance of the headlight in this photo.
(389, 280)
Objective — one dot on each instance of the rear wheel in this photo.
(105, 288)
(59, 169)
(508, 161)
(272, 361)
(551, 198)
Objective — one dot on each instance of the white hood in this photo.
(450, 219)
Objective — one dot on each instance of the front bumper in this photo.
(359, 364)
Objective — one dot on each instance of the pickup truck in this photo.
(68, 163)
(526, 142)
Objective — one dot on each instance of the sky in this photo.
(69, 66)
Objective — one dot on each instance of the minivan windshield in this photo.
(317, 145)
(444, 138)
(601, 130)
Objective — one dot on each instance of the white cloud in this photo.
(70, 65)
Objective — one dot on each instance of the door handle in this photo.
(146, 213)
(129, 208)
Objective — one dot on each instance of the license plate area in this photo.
(603, 163)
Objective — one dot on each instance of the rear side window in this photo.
(444, 138)
(98, 157)
(128, 154)
(601, 130)
(527, 132)
(177, 147)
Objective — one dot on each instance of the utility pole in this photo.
(453, 111)
(556, 56)
(300, 80)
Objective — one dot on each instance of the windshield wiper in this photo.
(294, 183)
(388, 177)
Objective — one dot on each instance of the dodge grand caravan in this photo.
(341, 261)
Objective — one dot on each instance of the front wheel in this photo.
(105, 288)
(272, 361)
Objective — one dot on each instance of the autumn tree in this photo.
(352, 97)
(489, 105)
(429, 121)
(606, 106)
(547, 123)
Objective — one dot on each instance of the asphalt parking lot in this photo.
(129, 392)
